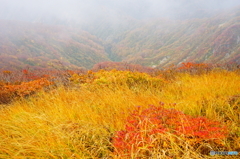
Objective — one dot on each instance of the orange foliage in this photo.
(9, 92)
(6, 72)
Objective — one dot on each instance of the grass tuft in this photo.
(81, 120)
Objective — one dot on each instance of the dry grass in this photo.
(79, 121)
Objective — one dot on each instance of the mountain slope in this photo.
(27, 44)
(151, 42)
(163, 42)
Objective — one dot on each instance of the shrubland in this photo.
(182, 112)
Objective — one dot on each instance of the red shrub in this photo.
(143, 125)
(190, 65)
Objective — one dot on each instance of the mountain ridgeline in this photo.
(155, 43)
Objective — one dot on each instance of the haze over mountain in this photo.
(153, 33)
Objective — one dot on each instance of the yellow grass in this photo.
(79, 121)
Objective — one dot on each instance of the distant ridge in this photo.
(155, 43)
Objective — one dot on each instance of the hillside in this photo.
(202, 36)
(181, 113)
(25, 44)
(120, 79)
(161, 42)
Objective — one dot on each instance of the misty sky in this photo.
(83, 10)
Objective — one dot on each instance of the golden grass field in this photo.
(80, 120)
